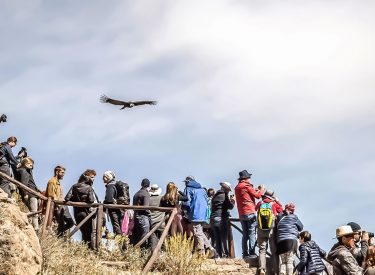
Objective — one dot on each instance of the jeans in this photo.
(248, 224)
(219, 226)
(266, 237)
(141, 228)
(33, 207)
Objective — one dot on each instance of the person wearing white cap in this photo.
(109, 179)
(341, 256)
(156, 216)
(221, 204)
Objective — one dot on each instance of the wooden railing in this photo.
(99, 211)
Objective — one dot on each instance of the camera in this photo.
(371, 234)
(23, 152)
(3, 118)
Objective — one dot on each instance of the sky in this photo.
(283, 89)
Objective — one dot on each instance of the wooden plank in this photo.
(50, 216)
(149, 234)
(99, 224)
(232, 253)
(46, 215)
(81, 223)
(22, 186)
(155, 253)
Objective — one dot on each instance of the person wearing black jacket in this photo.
(221, 204)
(141, 217)
(111, 197)
(83, 192)
(310, 255)
(7, 161)
(25, 175)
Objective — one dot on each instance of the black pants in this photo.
(86, 228)
(219, 226)
(5, 184)
(64, 219)
(141, 228)
(116, 220)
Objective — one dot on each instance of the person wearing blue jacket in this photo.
(288, 227)
(196, 210)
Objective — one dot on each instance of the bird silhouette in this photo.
(125, 104)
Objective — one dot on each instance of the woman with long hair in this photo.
(369, 264)
(172, 198)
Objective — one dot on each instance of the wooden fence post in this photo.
(46, 216)
(99, 224)
(232, 254)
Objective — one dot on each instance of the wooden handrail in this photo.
(78, 226)
(149, 234)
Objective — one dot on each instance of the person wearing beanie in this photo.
(287, 234)
(141, 217)
(109, 179)
(361, 240)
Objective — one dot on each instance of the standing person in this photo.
(141, 217)
(287, 234)
(361, 242)
(245, 197)
(25, 175)
(7, 160)
(196, 210)
(156, 216)
(341, 255)
(310, 255)
(172, 198)
(111, 197)
(268, 209)
(221, 204)
(61, 212)
(83, 192)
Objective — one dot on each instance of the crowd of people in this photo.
(202, 214)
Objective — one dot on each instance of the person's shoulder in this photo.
(53, 180)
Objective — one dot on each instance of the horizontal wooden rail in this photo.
(23, 187)
(78, 226)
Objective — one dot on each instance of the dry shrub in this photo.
(178, 257)
(71, 257)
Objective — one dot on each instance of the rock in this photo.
(20, 251)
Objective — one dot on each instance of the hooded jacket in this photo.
(343, 260)
(81, 192)
(288, 227)
(197, 203)
(311, 258)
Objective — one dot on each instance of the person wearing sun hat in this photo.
(219, 220)
(156, 216)
(341, 255)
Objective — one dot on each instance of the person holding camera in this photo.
(219, 220)
(361, 241)
(7, 161)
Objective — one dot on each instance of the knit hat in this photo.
(145, 183)
(355, 226)
(109, 175)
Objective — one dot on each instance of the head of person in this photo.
(244, 176)
(155, 190)
(12, 141)
(370, 258)
(59, 172)
(304, 236)
(27, 163)
(108, 177)
(226, 186)
(145, 183)
(345, 236)
(171, 193)
(189, 179)
(290, 208)
(88, 176)
(269, 194)
(357, 230)
(210, 192)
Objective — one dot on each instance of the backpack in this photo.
(208, 211)
(265, 216)
(122, 192)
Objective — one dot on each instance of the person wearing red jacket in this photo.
(266, 232)
(245, 197)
